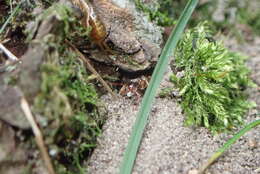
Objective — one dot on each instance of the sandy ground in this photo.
(168, 147)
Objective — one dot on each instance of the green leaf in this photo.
(142, 117)
(228, 144)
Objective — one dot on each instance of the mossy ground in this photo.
(211, 81)
(68, 100)
(66, 106)
(211, 78)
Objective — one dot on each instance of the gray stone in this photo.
(10, 107)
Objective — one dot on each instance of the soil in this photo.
(16, 42)
(170, 147)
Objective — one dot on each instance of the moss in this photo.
(166, 92)
(67, 103)
(211, 81)
(163, 15)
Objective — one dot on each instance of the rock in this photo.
(193, 171)
(145, 28)
(10, 152)
(11, 111)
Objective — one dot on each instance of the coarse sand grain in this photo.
(168, 147)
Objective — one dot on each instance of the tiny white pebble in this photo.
(53, 152)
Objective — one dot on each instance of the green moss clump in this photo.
(67, 103)
(211, 81)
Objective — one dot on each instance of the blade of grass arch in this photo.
(227, 145)
(149, 96)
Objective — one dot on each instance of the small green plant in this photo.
(69, 104)
(211, 81)
(67, 101)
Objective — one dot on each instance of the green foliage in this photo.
(70, 76)
(5, 21)
(67, 101)
(15, 16)
(165, 92)
(150, 93)
(211, 80)
(235, 12)
(161, 15)
(69, 28)
(167, 11)
(250, 18)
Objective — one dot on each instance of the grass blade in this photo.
(227, 145)
(10, 17)
(143, 114)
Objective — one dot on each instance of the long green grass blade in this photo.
(143, 114)
(227, 145)
(10, 17)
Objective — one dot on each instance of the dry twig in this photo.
(91, 69)
(8, 53)
(38, 135)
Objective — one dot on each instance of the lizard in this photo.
(113, 31)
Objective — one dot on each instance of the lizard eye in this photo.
(113, 47)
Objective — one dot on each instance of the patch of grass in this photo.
(211, 81)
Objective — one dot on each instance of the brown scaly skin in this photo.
(118, 25)
(113, 32)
